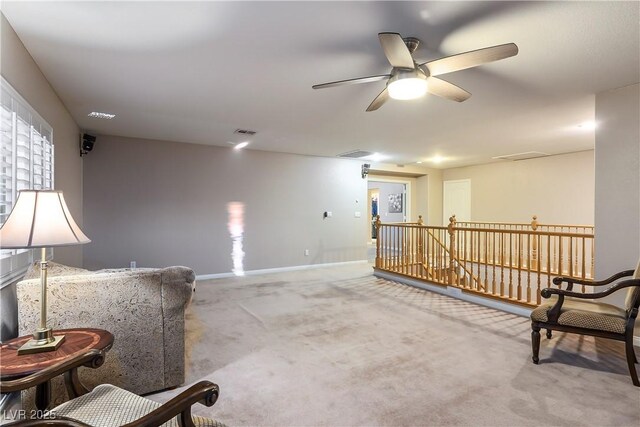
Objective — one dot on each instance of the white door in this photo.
(456, 200)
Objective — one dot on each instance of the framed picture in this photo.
(395, 203)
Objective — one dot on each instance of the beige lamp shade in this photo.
(40, 218)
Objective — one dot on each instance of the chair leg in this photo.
(549, 334)
(631, 358)
(535, 343)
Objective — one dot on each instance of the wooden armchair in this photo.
(582, 314)
(108, 405)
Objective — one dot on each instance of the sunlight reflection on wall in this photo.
(236, 229)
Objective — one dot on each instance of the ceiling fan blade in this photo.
(396, 51)
(444, 89)
(380, 99)
(352, 81)
(470, 59)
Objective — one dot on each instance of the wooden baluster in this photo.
(584, 261)
(534, 248)
(570, 266)
(538, 296)
(519, 289)
(560, 255)
(502, 238)
(387, 243)
(486, 259)
(593, 255)
(398, 249)
(452, 248)
(387, 246)
(510, 294)
(405, 250)
(557, 239)
(528, 268)
(493, 261)
(548, 261)
(439, 263)
(470, 284)
(441, 259)
(420, 239)
(576, 270)
(378, 254)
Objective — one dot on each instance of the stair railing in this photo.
(503, 260)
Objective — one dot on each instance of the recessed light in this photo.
(437, 159)
(590, 125)
(376, 157)
(420, 162)
(241, 145)
(99, 115)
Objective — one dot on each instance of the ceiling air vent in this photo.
(522, 156)
(356, 154)
(245, 132)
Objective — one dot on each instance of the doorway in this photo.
(373, 198)
(389, 199)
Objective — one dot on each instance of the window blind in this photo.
(26, 162)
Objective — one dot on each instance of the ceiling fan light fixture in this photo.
(407, 85)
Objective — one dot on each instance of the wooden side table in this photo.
(77, 341)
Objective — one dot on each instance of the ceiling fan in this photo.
(409, 79)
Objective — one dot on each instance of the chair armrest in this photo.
(66, 422)
(547, 292)
(204, 392)
(92, 358)
(570, 280)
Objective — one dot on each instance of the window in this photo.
(26, 162)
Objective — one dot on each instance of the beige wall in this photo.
(164, 203)
(558, 189)
(20, 70)
(617, 168)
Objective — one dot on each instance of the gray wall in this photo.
(20, 70)
(617, 194)
(164, 203)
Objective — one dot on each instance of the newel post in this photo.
(452, 248)
(420, 239)
(534, 244)
(378, 237)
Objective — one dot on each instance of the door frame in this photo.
(407, 189)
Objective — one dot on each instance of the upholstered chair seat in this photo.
(110, 406)
(584, 314)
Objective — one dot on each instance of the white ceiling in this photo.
(195, 72)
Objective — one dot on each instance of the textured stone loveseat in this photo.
(142, 308)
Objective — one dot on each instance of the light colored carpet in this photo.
(339, 347)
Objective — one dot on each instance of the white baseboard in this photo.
(277, 270)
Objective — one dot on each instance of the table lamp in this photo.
(41, 219)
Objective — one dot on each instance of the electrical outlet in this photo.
(357, 214)
(132, 265)
(306, 252)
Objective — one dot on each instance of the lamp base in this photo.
(42, 341)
